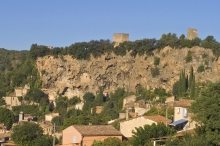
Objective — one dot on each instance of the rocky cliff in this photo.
(71, 77)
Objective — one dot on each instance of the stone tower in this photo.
(120, 38)
(192, 33)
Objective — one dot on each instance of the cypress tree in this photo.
(197, 90)
(192, 88)
(183, 81)
(191, 76)
(180, 85)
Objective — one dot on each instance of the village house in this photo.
(129, 101)
(49, 117)
(84, 135)
(126, 127)
(170, 101)
(47, 127)
(13, 99)
(182, 117)
(98, 109)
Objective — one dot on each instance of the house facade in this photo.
(126, 127)
(84, 135)
(49, 117)
(129, 100)
(182, 116)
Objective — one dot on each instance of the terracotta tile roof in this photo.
(158, 119)
(97, 130)
(183, 103)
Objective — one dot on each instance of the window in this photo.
(184, 112)
(74, 139)
(178, 110)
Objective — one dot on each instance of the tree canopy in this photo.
(206, 112)
(26, 133)
(7, 117)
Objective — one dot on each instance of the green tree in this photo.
(155, 72)
(193, 88)
(191, 76)
(112, 141)
(99, 99)
(201, 68)
(44, 140)
(156, 60)
(7, 117)
(25, 133)
(36, 95)
(2, 101)
(205, 110)
(142, 135)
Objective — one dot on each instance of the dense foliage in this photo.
(205, 110)
(142, 135)
(25, 133)
(186, 87)
(6, 117)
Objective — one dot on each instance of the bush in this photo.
(156, 60)
(189, 57)
(200, 68)
(155, 72)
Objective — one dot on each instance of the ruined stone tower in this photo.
(120, 38)
(192, 33)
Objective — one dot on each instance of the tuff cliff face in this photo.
(72, 77)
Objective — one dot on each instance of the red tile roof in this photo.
(183, 103)
(97, 130)
(158, 119)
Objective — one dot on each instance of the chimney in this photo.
(126, 115)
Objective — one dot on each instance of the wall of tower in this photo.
(192, 33)
(120, 38)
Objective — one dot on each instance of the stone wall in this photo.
(192, 33)
(120, 38)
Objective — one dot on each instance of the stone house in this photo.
(47, 127)
(49, 117)
(126, 127)
(12, 100)
(84, 135)
(170, 101)
(128, 101)
(182, 117)
(98, 109)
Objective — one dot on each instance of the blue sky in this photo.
(60, 23)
